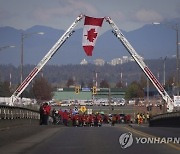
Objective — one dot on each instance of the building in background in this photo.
(84, 62)
(116, 61)
(99, 62)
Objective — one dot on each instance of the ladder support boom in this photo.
(45, 59)
(138, 59)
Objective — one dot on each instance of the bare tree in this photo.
(119, 84)
(42, 89)
(70, 82)
(104, 84)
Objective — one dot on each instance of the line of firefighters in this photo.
(69, 118)
(75, 119)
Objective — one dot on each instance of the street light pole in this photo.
(164, 67)
(23, 36)
(22, 55)
(177, 50)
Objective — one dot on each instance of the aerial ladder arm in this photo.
(45, 59)
(138, 59)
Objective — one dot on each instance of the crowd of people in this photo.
(68, 118)
(142, 118)
(71, 118)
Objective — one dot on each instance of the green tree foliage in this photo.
(119, 84)
(143, 81)
(104, 84)
(170, 82)
(59, 74)
(82, 84)
(4, 89)
(70, 82)
(28, 93)
(90, 84)
(134, 90)
(42, 89)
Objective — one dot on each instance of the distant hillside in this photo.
(58, 75)
(150, 41)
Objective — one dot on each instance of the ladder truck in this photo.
(123, 40)
(45, 59)
(138, 59)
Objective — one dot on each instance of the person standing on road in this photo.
(54, 116)
(147, 117)
(65, 118)
(138, 118)
(41, 112)
(113, 120)
(46, 112)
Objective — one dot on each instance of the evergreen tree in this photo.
(4, 89)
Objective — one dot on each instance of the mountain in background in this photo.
(150, 41)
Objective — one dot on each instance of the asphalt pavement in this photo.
(91, 140)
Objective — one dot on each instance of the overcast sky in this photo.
(127, 14)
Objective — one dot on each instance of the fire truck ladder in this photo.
(45, 59)
(142, 65)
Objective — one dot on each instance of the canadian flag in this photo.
(90, 33)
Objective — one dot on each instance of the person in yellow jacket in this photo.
(138, 117)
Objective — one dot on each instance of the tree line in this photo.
(127, 75)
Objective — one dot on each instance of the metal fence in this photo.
(12, 112)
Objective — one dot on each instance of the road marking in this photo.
(175, 146)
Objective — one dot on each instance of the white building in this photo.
(84, 62)
(99, 62)
(116, 61)
(125, 59)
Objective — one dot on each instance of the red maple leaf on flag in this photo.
(91, 35)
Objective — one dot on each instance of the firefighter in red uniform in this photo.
(76, 120)
(46, 111)
(91, 120)
(65, 118)
(60, 113)
(99, 120)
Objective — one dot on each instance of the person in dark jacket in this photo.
(41, 114)
(46, 112)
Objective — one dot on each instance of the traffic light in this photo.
(94, 90)
(77, 89)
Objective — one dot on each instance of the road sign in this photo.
(89, 111)
(76, 109)
(83, 109)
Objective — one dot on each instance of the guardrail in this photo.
(11, 112)
(166, 120)
(12, 116)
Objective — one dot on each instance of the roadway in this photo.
(87, 140)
